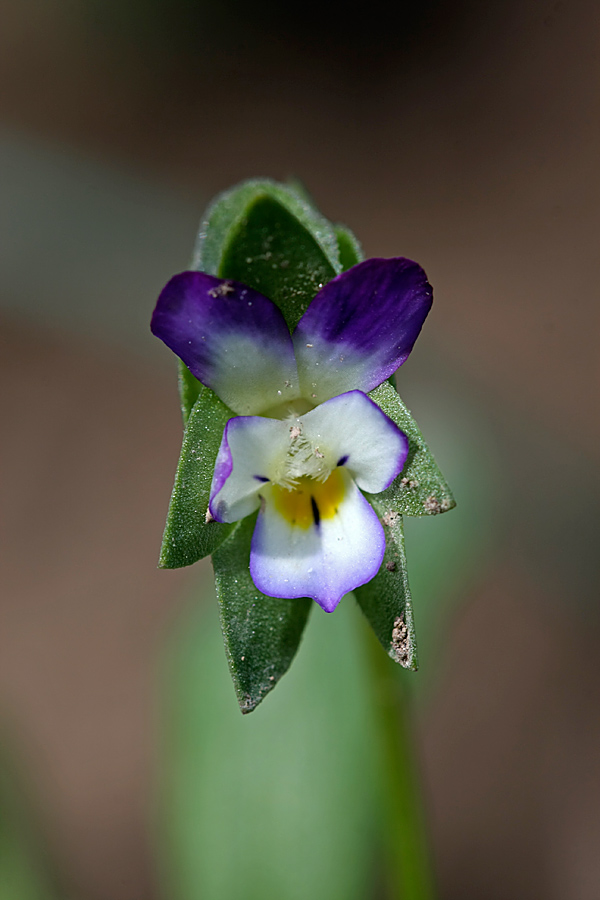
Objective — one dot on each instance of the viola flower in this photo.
(305, 439)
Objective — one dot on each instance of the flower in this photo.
(304, 439)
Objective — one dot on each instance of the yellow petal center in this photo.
(309, 500)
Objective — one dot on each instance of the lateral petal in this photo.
(360, 327)
(351, 430)
(322, 559)
(251, 455)
(233, 339)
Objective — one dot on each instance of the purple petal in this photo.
(233, 339)
(222, 471)
(360, 327)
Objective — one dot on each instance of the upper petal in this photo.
(251, 454)
(233, 339)
(323, 558)
(360, 327)
(352, 431)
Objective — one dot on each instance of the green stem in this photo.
(410, 874)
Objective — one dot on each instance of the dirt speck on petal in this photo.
(222, 290)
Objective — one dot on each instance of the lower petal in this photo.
(324, 555)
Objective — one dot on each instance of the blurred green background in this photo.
(463, 135)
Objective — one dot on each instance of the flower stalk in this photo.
(409, 872)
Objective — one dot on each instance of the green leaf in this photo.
(188, 536)
(386, 600)
(261, 633)
(280, 805)
(349, 247)
(420, 489)
(229, 211)
(189, 390)
(270, 237)
(271, 251)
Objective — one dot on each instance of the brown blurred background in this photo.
(463, 135)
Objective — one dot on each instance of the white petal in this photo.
(251, 454)
(321, 556)
(353, 429)
(251, 374)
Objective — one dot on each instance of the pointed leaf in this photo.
(188, 536)
(271, 238)
(420, 489)
(386, 600)
(261, 633)
(348, 246)
(227, 214)
(271, 251)
(189, 390)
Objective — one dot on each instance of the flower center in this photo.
(303, 459)
(288, 409)
(310, 500)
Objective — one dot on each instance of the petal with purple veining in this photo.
(352, 431)
(252, 453)
(321, 541)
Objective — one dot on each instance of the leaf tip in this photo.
(248, 704)
(163, 562)
(401, 649)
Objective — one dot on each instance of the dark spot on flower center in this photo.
(315, 511)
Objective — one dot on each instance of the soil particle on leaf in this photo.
(400, 642)
(390, 518)
(247, 703)
(432, 505)
(409, 483)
